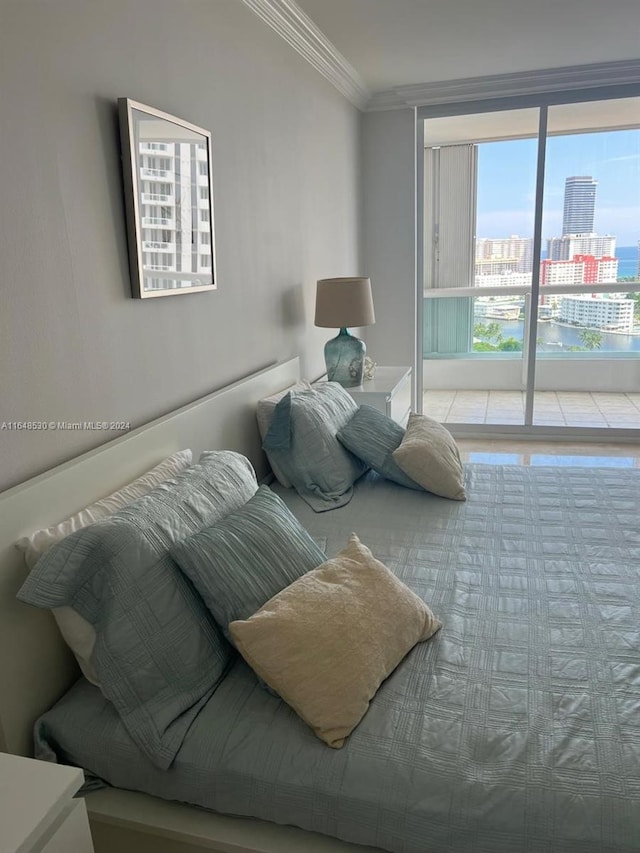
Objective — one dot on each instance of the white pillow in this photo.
(77, 633)
(264, 413)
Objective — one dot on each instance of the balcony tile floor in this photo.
(551, 408)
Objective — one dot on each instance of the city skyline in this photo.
(506, 184)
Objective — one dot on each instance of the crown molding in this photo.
(292, 24)
(299, 31)
(505, 85)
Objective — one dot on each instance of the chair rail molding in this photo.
(299, 31)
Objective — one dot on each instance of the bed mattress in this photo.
(516, 728)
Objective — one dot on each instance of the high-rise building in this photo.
(567, 247)
(581, 269)
(611, 312)
(579, 205)
(176, 243)
(517, 252)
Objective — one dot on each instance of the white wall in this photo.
(389, 232)
(73, 345)
(613, 375)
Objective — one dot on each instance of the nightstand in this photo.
(389, 391)
(37, 809)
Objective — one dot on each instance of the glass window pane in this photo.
(588, 338)
(480, 177)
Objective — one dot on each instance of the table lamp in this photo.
(342, 302)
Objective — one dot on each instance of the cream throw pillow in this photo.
(327, 642)
(429, 455)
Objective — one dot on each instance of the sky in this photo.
(506, 184)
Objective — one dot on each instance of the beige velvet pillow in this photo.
(429, 455)
(327, 642)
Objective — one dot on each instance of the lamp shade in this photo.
(342, 302)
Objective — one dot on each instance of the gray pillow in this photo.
(373, 436)
(264, 414)
(241, 562)
(302, 440)
(158, 654)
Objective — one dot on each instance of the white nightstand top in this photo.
(384, 380)
(30, 796)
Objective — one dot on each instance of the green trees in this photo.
(510, 345)
(488, 332)
(591, 339)
(488, 338)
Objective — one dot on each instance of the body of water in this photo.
(627, 261)
(555, 338)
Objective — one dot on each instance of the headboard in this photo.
(35, 665)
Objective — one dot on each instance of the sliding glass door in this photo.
(588, 340)
(479, 191)
(530, 222)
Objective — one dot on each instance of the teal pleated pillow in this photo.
(237, 565)
(372, 437)
(159, 654)
(302, 442)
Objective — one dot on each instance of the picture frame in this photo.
(168, 188)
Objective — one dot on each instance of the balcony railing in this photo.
(153, 147)
(148, 198)
(158, 220)
(523, 290)
(565, 346)
(155, 246)
(155, 174)
(513, 303)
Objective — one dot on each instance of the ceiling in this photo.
(582, 117)
(398, 42)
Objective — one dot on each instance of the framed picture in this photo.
(169, 202)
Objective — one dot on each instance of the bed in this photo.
(516, 727)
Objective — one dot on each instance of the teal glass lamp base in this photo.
(344, 357)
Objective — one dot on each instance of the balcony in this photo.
(151, 221)
(551, 408)
(583, 369)
(153, 148)
(155, 246)
(157, 198)
(157, 174)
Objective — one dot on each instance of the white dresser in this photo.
(37, 811)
